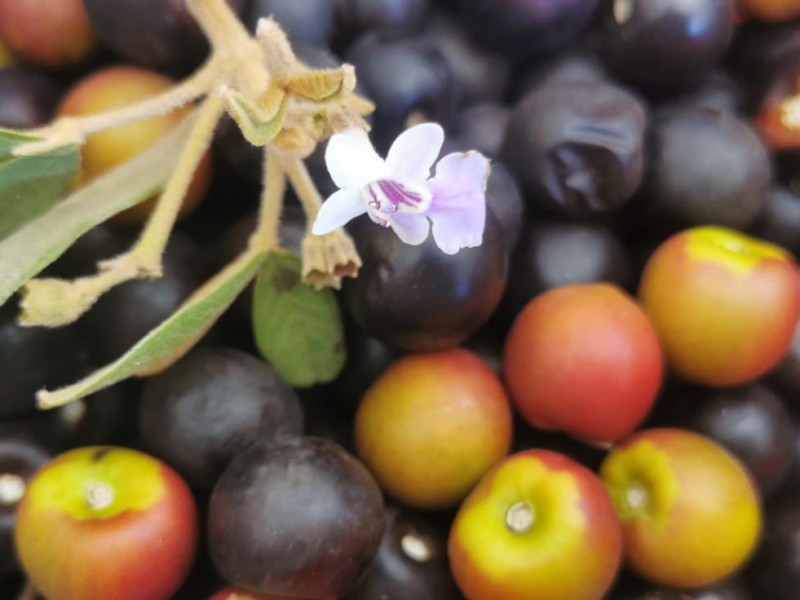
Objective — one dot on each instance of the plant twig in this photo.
(73, 130)
(265, 236)
(150, 245)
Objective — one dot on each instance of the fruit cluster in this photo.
(599, 401)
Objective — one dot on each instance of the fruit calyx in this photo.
(12, 489)
(520, 517)
(99, 496)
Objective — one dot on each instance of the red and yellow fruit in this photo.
(104, 522)
(116, 87)
(724, 304)
(690, 513)
(432, 425)
(538, 526)
(46, 32)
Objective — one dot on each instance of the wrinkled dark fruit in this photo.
(577, 148)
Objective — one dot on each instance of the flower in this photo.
(400, 193)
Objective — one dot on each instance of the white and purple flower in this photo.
(400, 193)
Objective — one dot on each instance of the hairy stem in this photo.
(304, 186)
(265, 237)
(73, 130)
(218, 22)
(150, 245)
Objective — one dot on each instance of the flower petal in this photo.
(458, 209)
(337, 210)
(414, 151)
(352, 161)
(411, 229)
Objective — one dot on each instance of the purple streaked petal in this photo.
(414, 151)
(337, 210)
(352, 161)
(458, 208)
(411, 229)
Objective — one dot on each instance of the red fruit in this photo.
(101, 522)
(583, 359)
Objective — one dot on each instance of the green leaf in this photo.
(29, 185)
(32, 247)
(172, 339)
(297, 328)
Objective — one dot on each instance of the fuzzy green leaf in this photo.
(29, 185)
(32, 247)
(297, 328)
(171, 340)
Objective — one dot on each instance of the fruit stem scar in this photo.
(12, 489)
(415, 548)
(636, 497)
(99, 496)
(520, 517)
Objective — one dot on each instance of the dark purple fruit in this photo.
(209, 406)
(398, 16)
(666, 45)
(731, 589)
(27, 98)
(32, 358)
(479, 75)
(408, 80)
(418, 298)
(706, 167)
(779, 219)
(297, 517)
(774, 572)
(20, 457)
(309, 22)
(525, 29)
(159, 34)
(479, 127)
(577, 148)
(553, 253)
(130, 311)
(411, 563)
(750, 421)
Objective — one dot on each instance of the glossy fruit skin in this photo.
(425, 89)
(128, 312)
(752, 423)
(21, 455)
(525, 29)
(157, 34)
(556, 375)
(690, 512)
(295, 516)
(774, 572)
(201, 412)
(555, 252)
(40, 358)
(684, 39)
(573, 552)
(418, 298)
(45, 33)
(779, 220)
(114, 87)
(27, 98)
(411, 563)
(706, 167)
(576, 148)
(140, 549)
(446, 404)
(724, 304)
